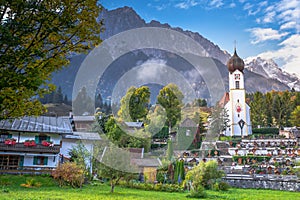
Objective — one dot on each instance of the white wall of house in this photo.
(52, 160)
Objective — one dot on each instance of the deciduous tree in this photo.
(170, 98)
(36, 39)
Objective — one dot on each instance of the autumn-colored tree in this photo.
(170, 98)
(134, 105)
(36, 39)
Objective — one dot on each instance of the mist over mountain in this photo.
(122, 19)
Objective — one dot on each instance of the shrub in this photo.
(199, 192)
(69, 173)
(223, 186)
(204, 174)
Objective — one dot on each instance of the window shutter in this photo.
(21, 162)
(45, 160)
(48, 138)
(35, 160)
(36, 138)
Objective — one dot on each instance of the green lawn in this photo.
(10, 189)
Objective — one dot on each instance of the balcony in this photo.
(39, 148)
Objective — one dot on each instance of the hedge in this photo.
(273, 131)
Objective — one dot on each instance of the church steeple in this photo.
(235, 63)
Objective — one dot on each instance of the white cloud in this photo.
(288, 53)
(186, 4)
(283, 12)
(288, 25)
(247, 6)
(232, 5)
(151, 69)
(216, 3)
(269, 17)
(264, 34)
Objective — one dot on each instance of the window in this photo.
(9, 161)
(40, 138)
(4, 136)
(237, 77)
(237, 85)
(40, 160)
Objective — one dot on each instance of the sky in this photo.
(266, 28)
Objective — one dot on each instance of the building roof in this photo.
(134, 124)
(235, 63)
(188, 123)
(224, 100)
(84, 136)
(146, 162)
(84, 118)
(42, 124)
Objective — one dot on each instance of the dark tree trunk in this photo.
(112, 187)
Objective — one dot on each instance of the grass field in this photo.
(10, 189)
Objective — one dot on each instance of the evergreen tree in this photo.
(295, 117)
(258, 110)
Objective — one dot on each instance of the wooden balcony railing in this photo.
(20, 147)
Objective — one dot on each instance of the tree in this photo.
(36, 39)
(219, 120)
(258, 110)
(170, 150)
(282, 108)
(115, 164)
(83, 103)
(58, 96)
(170, 98)
(179, 171)
(134, 105)
(295, 117)
(81, 156)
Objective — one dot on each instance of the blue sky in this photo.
(266, 28)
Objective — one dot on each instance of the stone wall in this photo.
(264, 184)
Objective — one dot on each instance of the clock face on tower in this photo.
(237, 77)
(238, 108)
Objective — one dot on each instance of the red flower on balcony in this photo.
(46, 143)
(29, 143)
(10, 141)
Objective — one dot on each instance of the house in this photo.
(83, 123)
(88, 139)
(32, 144)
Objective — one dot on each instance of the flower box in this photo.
(47, 144)
(29, 143)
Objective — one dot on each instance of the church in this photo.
(234, 101)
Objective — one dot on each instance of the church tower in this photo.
(237, 108)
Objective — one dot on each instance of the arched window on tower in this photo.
(237, 85)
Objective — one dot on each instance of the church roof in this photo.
(224, 100)
(235, 63)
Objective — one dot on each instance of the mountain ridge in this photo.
(123, 19)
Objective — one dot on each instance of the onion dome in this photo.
(235, 63)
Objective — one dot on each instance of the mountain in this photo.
(270, 70)
(122, 19)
